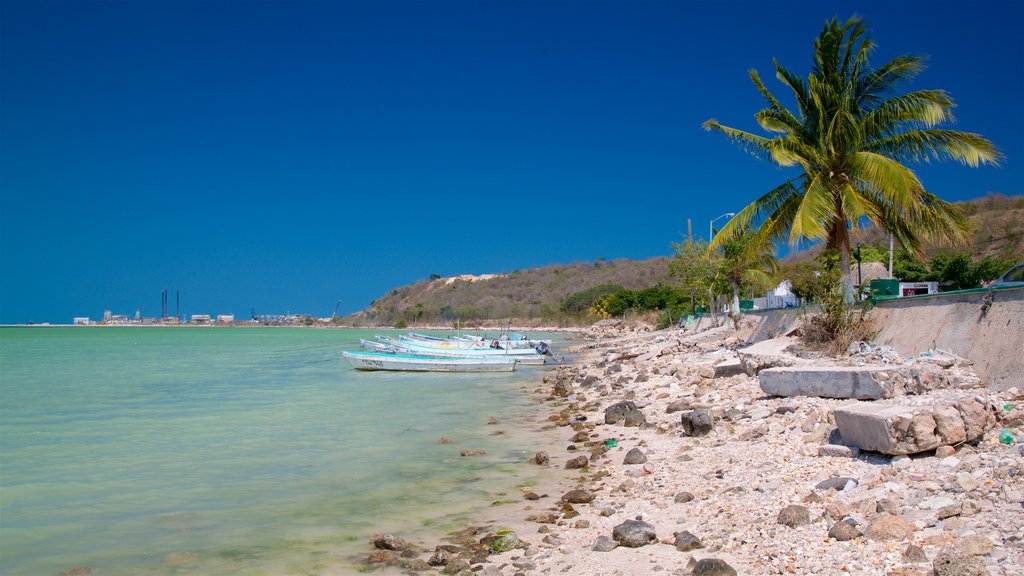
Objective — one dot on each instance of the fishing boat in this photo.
(376, 346)
(523, 356)
(410, 363)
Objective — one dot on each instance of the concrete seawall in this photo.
(992, 338)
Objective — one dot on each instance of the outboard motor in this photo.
(542, 348)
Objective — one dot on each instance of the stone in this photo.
(540, 458)
(622, 412)
(966, 481)
(578, 496)
(685, 541)
(441, 557)
(577, 462)
(635, 456)
(387, 541)
(731, 367)
(794, 515)
(905, 427)
(634, 534)
(888, 527)
(712, 567)
(844, 531)
(678, 406)
(604, 544)
(951, 562)
(580, 436)
(914, 554)
(944, 451)
(382, 557)
(472, 452)
(838, 451)
(697, 422)
(683, 497)
(835, 483)
(767, 354)
(975, 545)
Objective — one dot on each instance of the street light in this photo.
(711, 225)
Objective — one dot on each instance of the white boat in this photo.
(523, 356)
(409, 363)
(378, 346)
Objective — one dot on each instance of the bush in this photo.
(401, 323)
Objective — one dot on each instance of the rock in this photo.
(966, 481)
(580, 436)
(678, 406)
(604, 544)
(413, 564)
(472, 453)
(577, 462)
(540, 458)
(634, 534)
(914, 554)
(635, 456)
(697, 422)
(578, 496)
(503, 541)
(844, 531)
(683, 497)
(835, 483)
(382, 557)
(441, 557)
(457, 566)
(766, 354)
(562, 388)
(838, 451)
(888, 527)
(794, 515)
(712, 567)
(387, 541)
(76, 571)
(975, 545)
(951, 562)
(686, 541)
(911, 427)
(623, 412)
(944, 451)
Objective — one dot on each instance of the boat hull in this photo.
(410, 363)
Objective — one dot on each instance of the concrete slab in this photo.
(912, 425)
(855, 382)
(730, 367)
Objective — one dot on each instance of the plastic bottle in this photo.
(1006, 437)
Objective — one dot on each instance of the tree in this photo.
(693, 267)
(850, 136)
(741, 263)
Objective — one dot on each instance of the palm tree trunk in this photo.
(845, 276)
(735, 308)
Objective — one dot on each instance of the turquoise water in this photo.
(237, 450)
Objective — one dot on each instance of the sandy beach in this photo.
(763, 491)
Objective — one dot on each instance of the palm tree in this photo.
(850, 135)
(740, 263)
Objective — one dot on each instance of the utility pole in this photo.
(689, 230)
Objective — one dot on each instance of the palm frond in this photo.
(751, 143)
(896, 183)
(921, 109)
(816, 211)
(925, 145)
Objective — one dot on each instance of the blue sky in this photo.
(285, 155)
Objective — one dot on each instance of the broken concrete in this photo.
(731, 367)
(768, 354)
(911, 426)
(856, 382)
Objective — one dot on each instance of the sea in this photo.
(230, 450)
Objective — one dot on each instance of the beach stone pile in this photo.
(716, 476)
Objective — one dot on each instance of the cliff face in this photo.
(532, 294)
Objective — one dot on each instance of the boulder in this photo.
(767, 354)
(844, 531)
(794, 515)
(387, 541)
(713, 567)
(634, 534)
(623, 412)
(604, 544)
(697, 422)
(952, 562)
(912, 426)
(578, 496)
(635, 456)
(686, 541)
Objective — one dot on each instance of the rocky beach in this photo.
(690, 452)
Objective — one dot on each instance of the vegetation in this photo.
(742, 263)
(851, 135)
(836, 324)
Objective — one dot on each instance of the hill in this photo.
(997, 231)
(532, 295)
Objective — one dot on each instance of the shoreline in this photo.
(720, 499)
